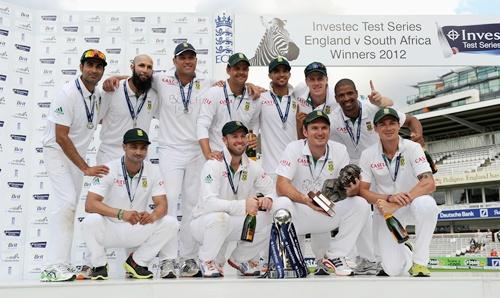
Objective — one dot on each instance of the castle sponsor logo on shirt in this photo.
(342, 130)
(377, 165)
(303, 161)
(169, 81)
(285, 163)
(420, 159)
(119, 182)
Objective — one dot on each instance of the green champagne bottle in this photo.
(251, 152)
(396, 228)
(248, 230)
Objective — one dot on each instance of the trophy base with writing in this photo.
(325, 203)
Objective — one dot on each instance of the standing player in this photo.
(228, 192)
(277, 115)
(230, 102)
(118, 206)
(71, 124)
(397, 179)
(304, 167)
(351, 125)
(133, 104)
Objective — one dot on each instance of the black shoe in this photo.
(382, 273)
(136, 271)
(99, 273)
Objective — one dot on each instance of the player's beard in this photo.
(141, 85)
(235, 151)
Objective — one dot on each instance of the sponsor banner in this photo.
(466, 178)
(494, 262)
(474, 213)
(458, 262)
(366, 40)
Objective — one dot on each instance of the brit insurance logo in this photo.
(470, 39)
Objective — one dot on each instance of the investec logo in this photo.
(22, 47)
(68, 72)
(41, 244)
(49, 18)
(71, 29)
(49, 39)
(16, 184)
(3, 77)
(22, 92)
(21, 138)
(12, 233)
(92, 39)
(4, 32)
(138, 19)
(48, 60)
(161, 30)
(41, 196)
(473, 36)
(114, 51)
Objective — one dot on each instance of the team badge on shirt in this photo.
(197, 85)
(150, 105)
(247, 106)
(402, 161)
(144, 182)
(369, 126)
(244, 176)
(330, 167)
(327, 109)
(294, 106)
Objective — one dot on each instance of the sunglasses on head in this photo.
(94, 54)
(315, 65)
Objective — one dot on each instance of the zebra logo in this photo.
(275, 42)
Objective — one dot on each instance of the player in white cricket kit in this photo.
(179, 152)
(230, 102)
(304, 167)
(397, 179)
(132, 104)
(228, 192)
(72, 120)
(119, 215)
(352, 125)
(277, 115)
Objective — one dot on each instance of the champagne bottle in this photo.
(248, 230)
(251, 152)
(396, 228)
(431, 162)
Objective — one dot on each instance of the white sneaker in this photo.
(210, 269)
(250, 268)
(341, 267)
(190, 268)
(366, 267)
(58, 272)
(167, 269)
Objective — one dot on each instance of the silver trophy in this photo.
(281, 217)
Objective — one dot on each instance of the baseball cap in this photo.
(278, 61)
(233, 126)
(136, 135)
(183, 47)
(385, 112)
(314, 115)
(93, 54)
(315, 67)
(237, 57)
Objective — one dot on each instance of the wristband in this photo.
(120, 214)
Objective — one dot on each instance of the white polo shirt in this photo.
(275, 136)
(380, 174)
(298, 166)
(301, 93)
(216, 192)
(344, 131)
(215, 113)
(68, 109)
(117, 119)
(177, 127)
(142, 187)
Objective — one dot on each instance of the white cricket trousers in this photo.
(181, 168)
(100, 232)
(350, 217)
(214, 230)
(397, 258)
(66, 184)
